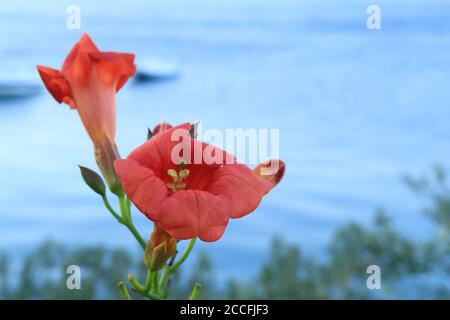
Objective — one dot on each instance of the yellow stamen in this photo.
(183, 173)
(172, 173)
(177, 178)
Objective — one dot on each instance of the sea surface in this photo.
(355, 109)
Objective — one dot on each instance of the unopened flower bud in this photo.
(163, 126)
(160, 248)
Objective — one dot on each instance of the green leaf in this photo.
(93, 180)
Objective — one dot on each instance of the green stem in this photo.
(123, 291)
(124, 209)
(155, 280)
(110, 209)
(128, 222)
(169, 269)
(148, 280)
(166, 272)
(164, 277)
(136, 284)
(136, 234)
(195, 291)
(186, 253)
(166, 290)
(141, 289)
(128, 205)
(153, 296)
(125, 219)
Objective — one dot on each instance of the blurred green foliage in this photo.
(409, 269)
(42, 273)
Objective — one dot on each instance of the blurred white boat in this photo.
(154, 69)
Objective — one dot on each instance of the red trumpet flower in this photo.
(190, 198)
(88, 82)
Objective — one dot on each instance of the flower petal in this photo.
(193, 213)
(113, 67)
(84, 45)
(155, 153)
(141, 185)
(55, 83)
(241, 187)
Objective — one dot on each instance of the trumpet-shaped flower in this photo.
(88, 82)
(186, 193)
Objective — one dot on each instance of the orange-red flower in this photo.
(88, 82)
(192, 198)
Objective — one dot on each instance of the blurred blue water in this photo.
(355, 109)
